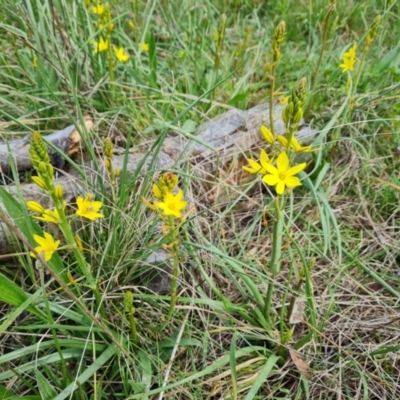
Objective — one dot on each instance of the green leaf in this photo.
(12, 294)
(46, 389)
(262, 376)
(88, 373)
(4, 393)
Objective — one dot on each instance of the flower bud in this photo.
(128, 302)
(267, 134)
(108, 147)
(298, 116)
(157, 192)
(35, 207)
(59, 192)
(39, 181)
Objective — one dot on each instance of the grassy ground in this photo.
(191, 61)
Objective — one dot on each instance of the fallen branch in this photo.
(234, 132)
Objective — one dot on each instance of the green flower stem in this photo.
(275, 258)
(84, 267)
(64, 369)
(173, 236)
(321, 54)
(271, 98)
(358, 75)
(132, 323)
(110, 60)
(290, 135)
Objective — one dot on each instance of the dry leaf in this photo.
(301, 365)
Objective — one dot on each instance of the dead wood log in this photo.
(233, 132)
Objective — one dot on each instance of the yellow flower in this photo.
(295, 145)
(99, 9)
(144, 46)
(121, 55)
(283, 175)
(258, 168)
(172, 204)
(267, 134)
(47, 246)
(131, 24)
(100, 46)
(50, 216)
(349, 58)
(88, 208)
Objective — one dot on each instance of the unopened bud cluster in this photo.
(293, 112)
(279, 35)
(373, 30)
(108, 151)
(41, 162)
(166, 184)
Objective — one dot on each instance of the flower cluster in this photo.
(280, 172)
(171, 204)
(86, 207)
(349, 59)
(104, 23)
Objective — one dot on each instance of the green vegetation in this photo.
(279, 269)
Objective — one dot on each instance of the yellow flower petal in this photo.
(280, 187)
(292, 182)
(296, 169)
(270, 180)
(282, 163)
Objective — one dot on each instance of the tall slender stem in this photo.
(275, 258)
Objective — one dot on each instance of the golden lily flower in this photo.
(349, 58)
(258, 168)
(47, 246)
(88, 208)
(144, 46)
(283, 175)
(295, 145)
(100, 46)
(172, 204)
(121, 54)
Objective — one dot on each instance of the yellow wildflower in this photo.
(349, 59)
(47, 246)
(99, 9)
(100, 46)
(283, 175)
(88, 208)
(131, 24)
(121, 54)
(295, 145)
(144, 46)
(258, 168)
(172, 204)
